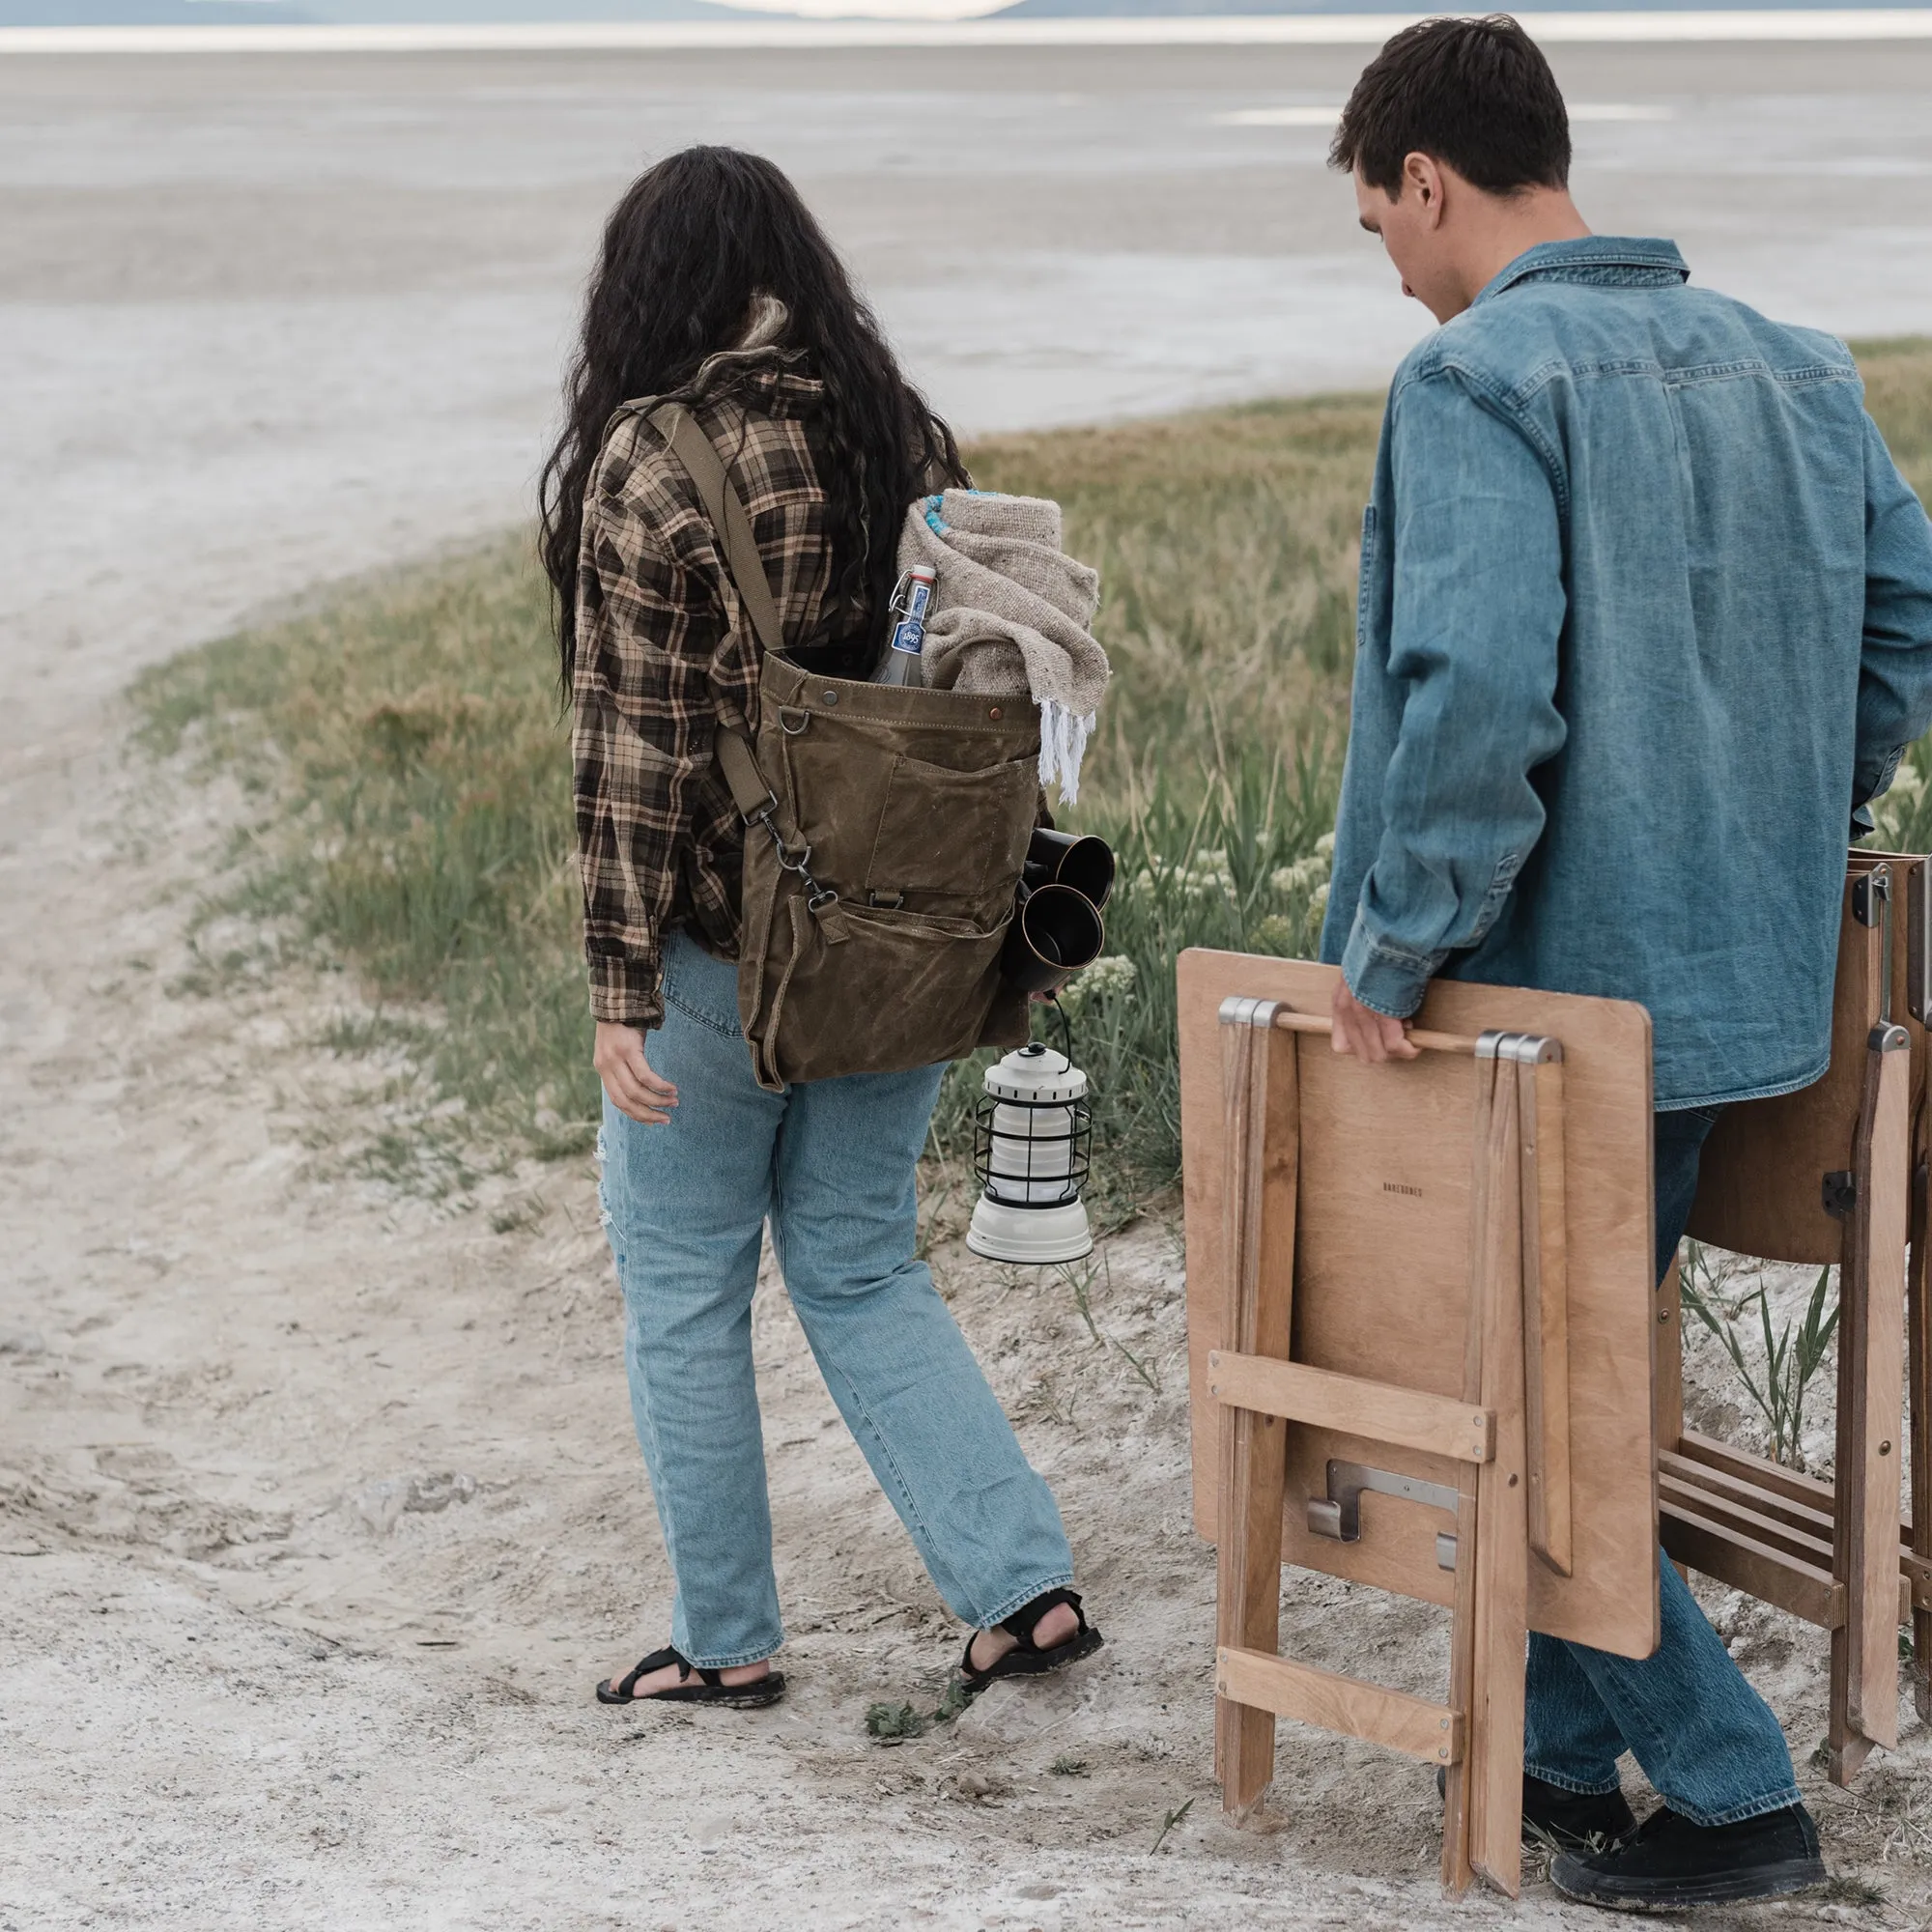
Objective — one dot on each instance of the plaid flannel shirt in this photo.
(664, 649)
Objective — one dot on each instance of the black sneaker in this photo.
(1584, 1821)
(1671, 1863)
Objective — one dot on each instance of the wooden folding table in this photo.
(1420, 1316)
(1831, 1174)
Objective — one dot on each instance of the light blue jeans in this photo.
(1705, 1738)
(832, 1164)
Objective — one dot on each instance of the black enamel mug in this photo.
(1055, 932)
(1080, 860)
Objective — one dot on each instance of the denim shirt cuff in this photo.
(1865, 790)
(1387, 980)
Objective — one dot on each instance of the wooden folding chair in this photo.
(1386, 1410)
(1835, 1173)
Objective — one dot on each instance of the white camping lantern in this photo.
(1032, 1134)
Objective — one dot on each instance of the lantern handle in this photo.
(1066, 1024)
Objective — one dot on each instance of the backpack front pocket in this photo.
(948, 835)
(892, 989)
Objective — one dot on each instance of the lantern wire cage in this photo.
(1020, 1186)
(1037, 1151)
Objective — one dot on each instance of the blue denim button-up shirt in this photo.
(1646, 611)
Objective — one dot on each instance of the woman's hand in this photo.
(627, 1076)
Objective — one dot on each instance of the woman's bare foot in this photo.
(668, 1679)
(1054, 1628)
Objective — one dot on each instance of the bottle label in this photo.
(909, 633)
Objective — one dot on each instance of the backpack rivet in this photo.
(995, 713)
(831, 697)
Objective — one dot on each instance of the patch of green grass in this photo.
(1177, 1816)
(517, 1215)
(958, 1695)
(402, 749)
(1776, 1366)
(409, 774)
(1226, 543)
(894, 1724)
(1242, 865)
(1898, 392)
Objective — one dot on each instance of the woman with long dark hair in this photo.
(717, 288)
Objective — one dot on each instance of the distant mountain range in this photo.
(412, 13)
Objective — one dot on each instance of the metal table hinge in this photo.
(1339, 1514)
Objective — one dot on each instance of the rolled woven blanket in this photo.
(1010, 613)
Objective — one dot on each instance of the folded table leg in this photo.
(1871, 1324)
(1501, 1598)
(1918, 1376)
(1264, 1141)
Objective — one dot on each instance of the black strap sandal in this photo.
(1026, 1659)
(710, 1689)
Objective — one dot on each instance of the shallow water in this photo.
(271, 319)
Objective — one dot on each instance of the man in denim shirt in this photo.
(1646, 619)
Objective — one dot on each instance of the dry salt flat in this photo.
(319, 1511)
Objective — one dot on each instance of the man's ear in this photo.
(1422, 178)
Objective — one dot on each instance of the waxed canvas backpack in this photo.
(885, 831)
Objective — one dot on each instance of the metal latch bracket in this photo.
(1339, 1514)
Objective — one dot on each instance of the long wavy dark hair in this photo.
(694, 243)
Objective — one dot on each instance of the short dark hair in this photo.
(1475, 95)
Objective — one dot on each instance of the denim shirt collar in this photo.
(1620, 261)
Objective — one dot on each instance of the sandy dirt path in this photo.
(321, 1514)
(319, 1509)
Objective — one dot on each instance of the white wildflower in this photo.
(1303, 876)
(1110, 976)
(1209, 874)
(1895, 809)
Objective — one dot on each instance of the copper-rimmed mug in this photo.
(1055, 932)
(1071, 858)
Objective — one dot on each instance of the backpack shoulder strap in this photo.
(725, 508)
(728, 518)
(749, 793)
